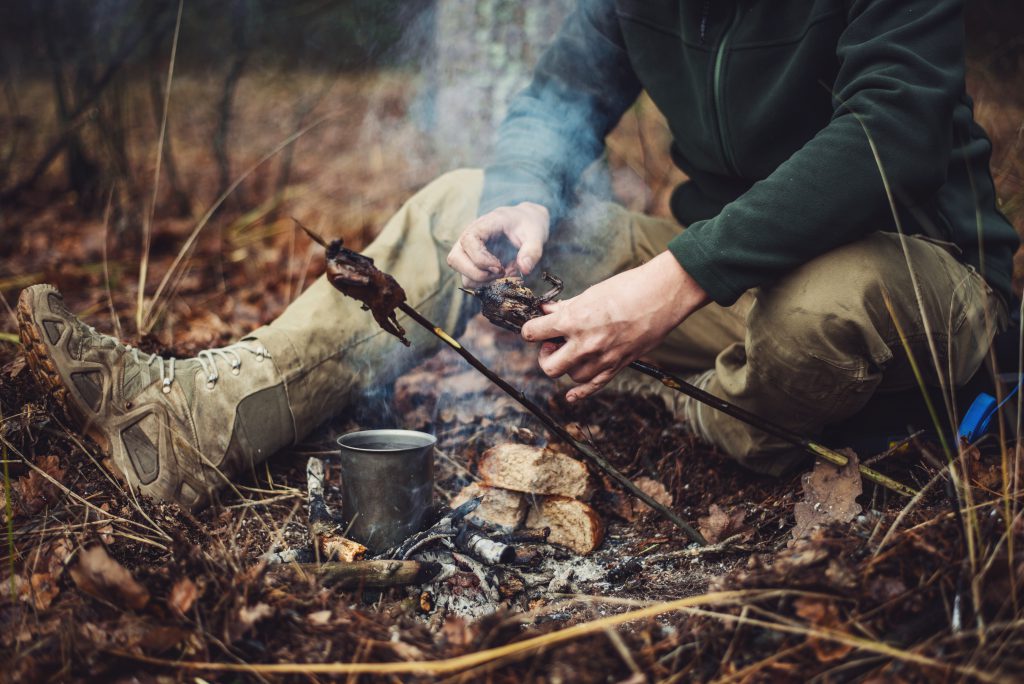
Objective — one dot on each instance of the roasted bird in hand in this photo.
(356, 276)
(508, 303)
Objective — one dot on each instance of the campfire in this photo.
(514, 537)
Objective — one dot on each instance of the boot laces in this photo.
(207, 361)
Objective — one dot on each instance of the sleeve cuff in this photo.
(689, 251)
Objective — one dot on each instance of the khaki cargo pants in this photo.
(805, 352)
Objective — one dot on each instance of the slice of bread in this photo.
(534, 470)
(573, 524)
(500, 507)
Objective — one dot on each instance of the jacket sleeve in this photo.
(556, 127)
(900, 76)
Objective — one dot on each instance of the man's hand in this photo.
(613, 323)
(526, 227)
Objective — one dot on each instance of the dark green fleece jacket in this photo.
(777, 110)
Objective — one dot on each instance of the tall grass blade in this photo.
(9, 512)
(147, 226)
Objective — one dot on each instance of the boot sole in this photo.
(43, 368)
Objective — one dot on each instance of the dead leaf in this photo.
(131, 633)
(58, 556)
(15, 367)
(106, 532)
(629, 508)
(721, 524)
(457, 632)
(248, 616)
(42, 590)
(33, 492)
(830, 495)
(653, 489)
(99, 575)
(183, 595)
(823, 614)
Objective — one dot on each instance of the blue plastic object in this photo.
(979, 416)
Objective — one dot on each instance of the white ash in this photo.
(471, 590)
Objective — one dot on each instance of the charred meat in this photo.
(509, 303)
(356, 276)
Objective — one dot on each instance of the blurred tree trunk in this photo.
(241, 40)
(483, 54)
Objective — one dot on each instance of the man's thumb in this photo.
(529, 255)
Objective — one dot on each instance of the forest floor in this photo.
(900, 590)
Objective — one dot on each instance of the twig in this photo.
(894, 448)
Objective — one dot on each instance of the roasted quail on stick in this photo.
(356, 276)
(509, 303)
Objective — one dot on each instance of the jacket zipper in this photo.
(705, 11)
(723, 142)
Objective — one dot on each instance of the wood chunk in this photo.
(337, 548)
(535, 470)
(574, 524)
(500, 507)
(369, 574)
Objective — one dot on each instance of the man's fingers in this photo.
(529, 256)
(559, 362)
(548, 348)
(553, 307)
(542, 328)
(474, 244)
(472, 275)
(586, 389)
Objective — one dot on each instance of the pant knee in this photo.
(452, 201)
(831, 311)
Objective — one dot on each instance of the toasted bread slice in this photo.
(500, 507)
(574, 524)
(534, 470)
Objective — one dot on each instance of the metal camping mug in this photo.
(387, 485)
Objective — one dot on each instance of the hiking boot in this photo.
(173, 429)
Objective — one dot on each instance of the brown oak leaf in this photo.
(34, 491)
(830, 495)
(721, 524)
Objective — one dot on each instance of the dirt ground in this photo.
(923, 590)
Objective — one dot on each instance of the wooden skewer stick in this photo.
(819, 450)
